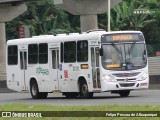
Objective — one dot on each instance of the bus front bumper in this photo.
(109, 86)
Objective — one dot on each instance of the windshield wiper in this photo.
(117, 49)
(131, 48)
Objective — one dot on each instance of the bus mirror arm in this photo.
(101, 51)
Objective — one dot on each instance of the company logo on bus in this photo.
(126, 79)
(42, 71)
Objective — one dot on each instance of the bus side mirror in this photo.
(144, 55)
(101, 51)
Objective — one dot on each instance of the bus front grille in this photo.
(127, 85)
(127, 80)
(126, 74)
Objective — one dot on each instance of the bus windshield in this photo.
(124, 56)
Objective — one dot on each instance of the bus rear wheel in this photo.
(124, 93)
(84, 93)
(34, 90)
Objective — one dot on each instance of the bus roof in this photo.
(91, 35)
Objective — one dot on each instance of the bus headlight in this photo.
(109, 78)
(144, 76)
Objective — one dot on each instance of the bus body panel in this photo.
(57, 75)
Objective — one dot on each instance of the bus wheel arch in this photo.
(32, 80)
(34, 90)
(83, 88)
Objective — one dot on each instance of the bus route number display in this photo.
(122, 37)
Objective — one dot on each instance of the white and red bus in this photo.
(78, 65)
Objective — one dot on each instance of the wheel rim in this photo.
(84, 89)
(34, 89)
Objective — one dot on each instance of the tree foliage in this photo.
(47, 19)
(42, 17)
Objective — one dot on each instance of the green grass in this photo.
(107, 108)
(27, 107)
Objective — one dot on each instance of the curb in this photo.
(6, 90)
(3, 87)
(3, 84)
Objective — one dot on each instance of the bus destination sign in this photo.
(121, 37)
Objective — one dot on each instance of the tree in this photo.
(127, 18)
(151, 31)
(12, 29)
(47, 19)
(42, 17)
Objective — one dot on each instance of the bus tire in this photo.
(124, 93)
(34, 90)
(84, 93)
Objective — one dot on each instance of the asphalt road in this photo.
(139, 97)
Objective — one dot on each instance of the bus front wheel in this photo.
(124, 93)
(84, 93)
(34, 90)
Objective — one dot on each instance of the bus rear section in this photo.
(16, 67)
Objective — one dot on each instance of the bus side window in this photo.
(32, 53)
(61, 52)
(54, 59)
(69, 52)
(12, 55)
(92, 57)
(21, 60)
(43, 53)
(82, 51)
(97, 57)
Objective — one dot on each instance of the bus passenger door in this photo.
(54, 68)
(95, 68)
(23, 68)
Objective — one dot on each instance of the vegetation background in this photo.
(43, 17)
